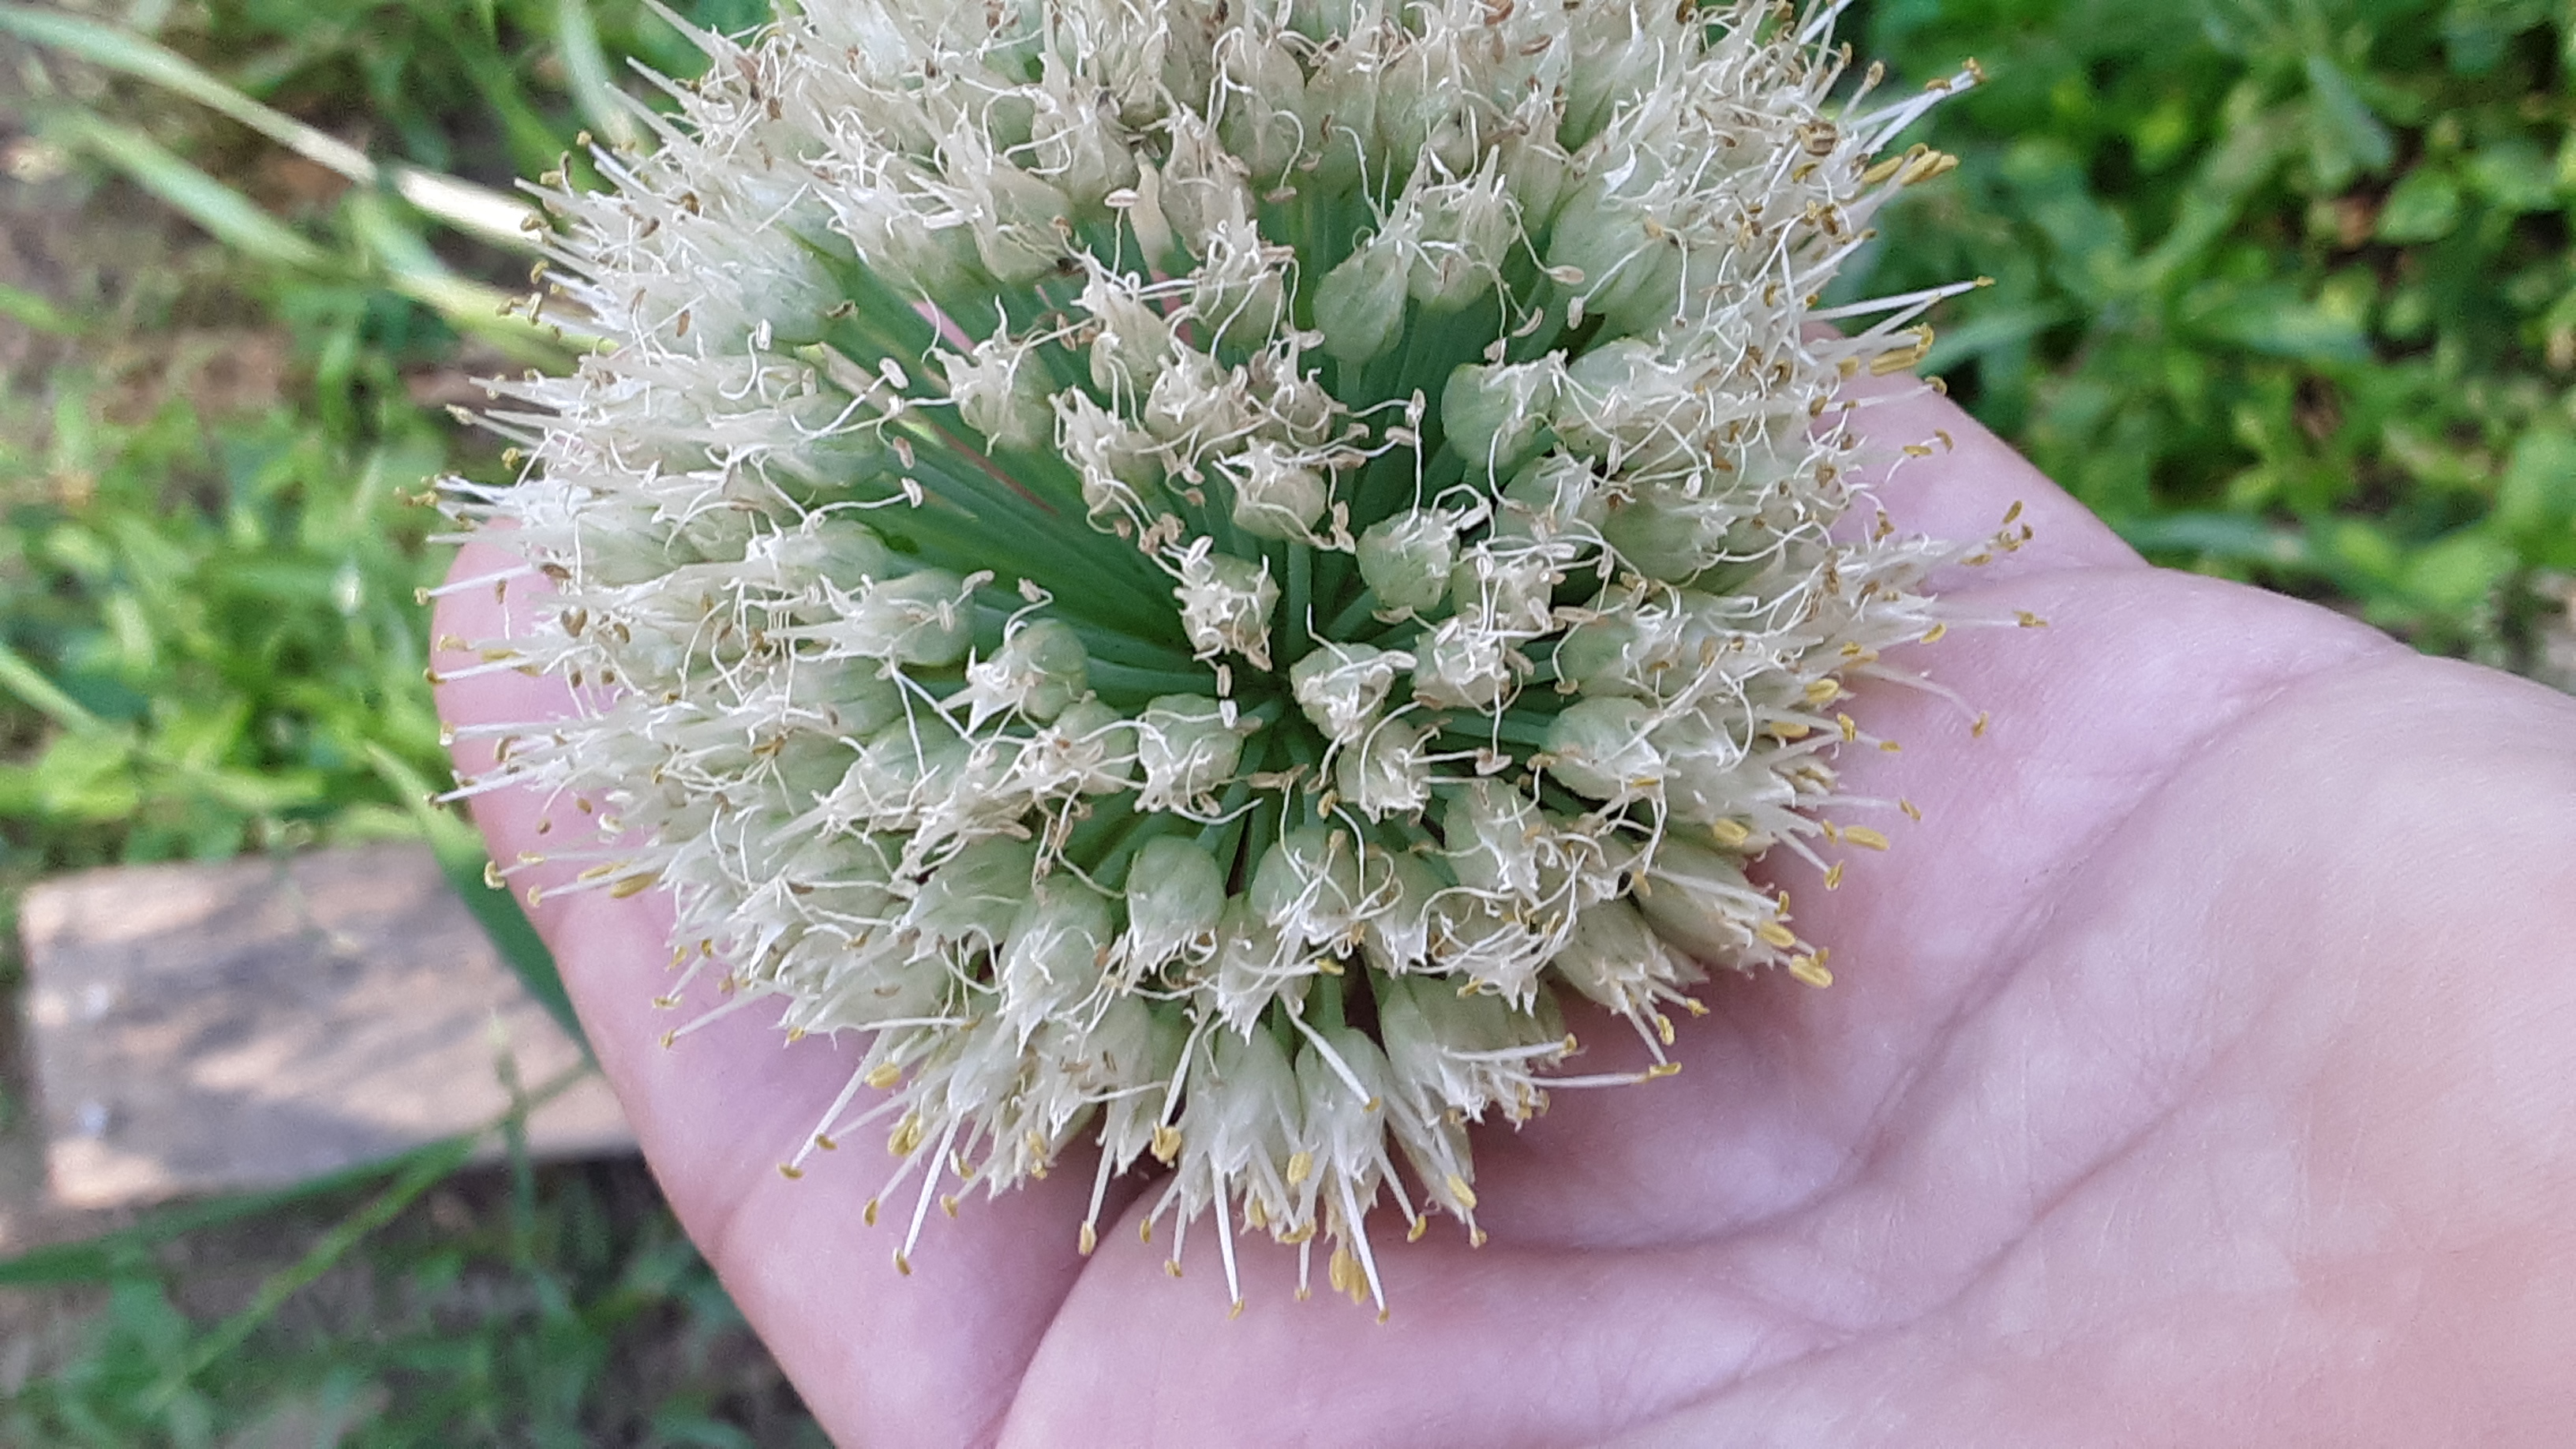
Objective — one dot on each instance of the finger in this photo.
(881, 1357)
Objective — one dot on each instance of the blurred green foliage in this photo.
(2282, 287)
(220, 609)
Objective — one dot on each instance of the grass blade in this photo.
(586, 67)
(116, 1254)
(461, 855)
(490, 215)
(232, 217)
(20, 676)
(35, 313)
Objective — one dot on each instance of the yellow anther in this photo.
(1927, 166)
(1777, 934)
(2029, 620)
(1811, 972)
(631, 886)
(906, 1137)
(1912, 812)
(883, 1075)
(1730, 833)
(948, 1204)
(1299, 1164)
(790, 1171)
(1864, 837)
(1664, 1028)
(903, 1265)
(1977, 731)
(1464, 1195)
(1933, 634)
(1172, 1267)
(1834, 876)
(1892, 165)
(1166, 1144)
(868, 1214)
(1661, 1070)
(1414, 1230)
(1849, 726)
(1087, 1240)
(1786, 730)
(828, 1144)
(1823, 691)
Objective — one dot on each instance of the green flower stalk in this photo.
(1195, 573)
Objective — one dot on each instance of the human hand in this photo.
(2196, 1074)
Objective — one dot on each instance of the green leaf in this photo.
(127, 1251)
(35, 313)
(232, 217)
(2514, 174)
(2343, 135)
(2539, 487)
(2224, 537)
(2423, 207)
(586, 67)
(2459, 571)
(22, 678)
(463, 859)
(488, 214)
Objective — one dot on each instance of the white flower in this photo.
(1189, 570)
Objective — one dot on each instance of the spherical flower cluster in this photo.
(1192, 572)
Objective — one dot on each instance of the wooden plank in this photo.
(212, 1028)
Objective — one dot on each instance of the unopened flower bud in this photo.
(1174, 895)
(1406, 559)
(1385, 773)
(1226, 603)
(1359, 306)
(1275, 495)
(1041, 668)
(998, 393)
(1187, 749)
(1340, 687)
(1617, 960)
(1701, 902)
(1308, 884)
(976, 894)
(920, 618)
(1058, 941)
(1494, 415)
(1463, 665)
(1092, 746)
(1599, 748)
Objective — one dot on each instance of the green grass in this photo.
(2282, 288)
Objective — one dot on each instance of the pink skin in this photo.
(2197, 1073)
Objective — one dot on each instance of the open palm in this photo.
(2199, 1071)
